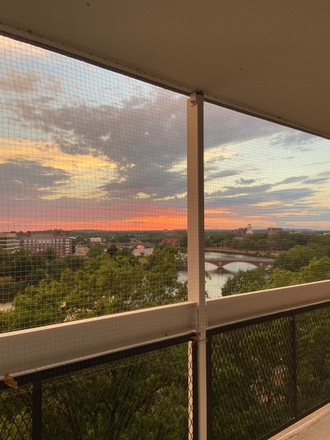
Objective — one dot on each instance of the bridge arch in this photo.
(221, 262)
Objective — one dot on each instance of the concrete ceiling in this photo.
(264, 57)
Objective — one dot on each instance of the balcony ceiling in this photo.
(266, 58)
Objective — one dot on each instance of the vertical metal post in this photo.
(36, 410)
(195, 389)
(293, 337)
(196, 264)
(209, 389)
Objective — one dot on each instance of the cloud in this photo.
(242, 181)
(84, 173)
(324, 174)
(292, 139)
(29, 81)
(214, 174)
(291, 194)
(92, 157)
(229, 192)
(317, 180)
(223, 126)
(144, 139)
(19, 82)
(293, 179)
(261, 199)
(24, 179)
(9, 46)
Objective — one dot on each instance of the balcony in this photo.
(264, 371)
(86, 145)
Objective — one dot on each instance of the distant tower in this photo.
(249, 230)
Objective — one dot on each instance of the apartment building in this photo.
(39, 242)
(9, 241)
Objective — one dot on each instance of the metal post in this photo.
(209, 389)
(196, 265)
(36, 410)
(293, 337)
(195, 388)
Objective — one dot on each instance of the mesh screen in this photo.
(313, 358)
(251, 381)
(267, 375)
(93, 222)
(141, 397)
(93, 190)
(266, 204)
(16, 414)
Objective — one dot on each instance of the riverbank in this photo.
(226, 250)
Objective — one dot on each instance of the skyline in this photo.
(86, 148)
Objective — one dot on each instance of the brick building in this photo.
(39, 242)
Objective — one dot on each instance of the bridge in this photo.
(256, 261)
(220, 262)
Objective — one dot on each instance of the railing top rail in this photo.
(101, 359)
(246, 308)
(28, 351)
(266, 318)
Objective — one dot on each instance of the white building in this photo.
(9, 241)
(249, 230)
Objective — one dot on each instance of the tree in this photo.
(295, 258)
(49, 254)
(112, 250)
(78, 288)
(282, 278)
(117, 400)
(246, 281)
(317, 270)
(95, 250)
(250, 393)
(122, 400)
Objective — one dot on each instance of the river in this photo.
(216, 281)
(213, 284)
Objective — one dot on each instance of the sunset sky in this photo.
(86, 148)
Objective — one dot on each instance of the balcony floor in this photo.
(316, 426)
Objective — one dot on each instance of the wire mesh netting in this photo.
(313, 358)
(140, 397)
(16, 413)
(93, 186)
(251, 380)
(266, 209)
(268, 374)
(92, 181)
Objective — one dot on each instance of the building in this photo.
(81, 250)
(35, 242)
(170, 242)
(95, 240)
(249, 230)
(9, 241)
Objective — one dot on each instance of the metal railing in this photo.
(267, 373)
(140, 393)
(137, 374)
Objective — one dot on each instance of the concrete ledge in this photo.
(39, 348)
(230, 309)
(316, 426)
